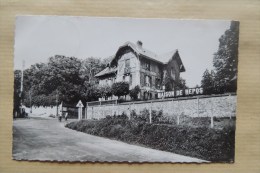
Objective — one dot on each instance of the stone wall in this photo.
(223, 106)
(42, 111)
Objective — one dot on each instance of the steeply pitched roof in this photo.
(163, 58)
(166, 57)
(106, 71)
(142, 51)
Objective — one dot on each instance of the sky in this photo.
(39, 37)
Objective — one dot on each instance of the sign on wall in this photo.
(180, 93)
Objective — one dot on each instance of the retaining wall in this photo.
(221, 106)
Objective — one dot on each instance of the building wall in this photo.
(109, 80)
(148, 74)
(134, 69)
(224, 106)
(155, 71)
(173, 72)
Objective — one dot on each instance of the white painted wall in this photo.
(222, 107)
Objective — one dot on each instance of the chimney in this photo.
(139, 43)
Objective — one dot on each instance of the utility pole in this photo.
(21, 89)
(22, 77)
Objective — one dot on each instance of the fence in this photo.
(199, 106)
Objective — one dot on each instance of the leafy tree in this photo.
(17, 86)
(134, 92)
(120, 88)
(92, 92)
(90, 67)
(62, 78)
(181, 84)
(106, 61)
(207, 82)
(168, 83)
(59, 79)
(105, 91)
(226, 60)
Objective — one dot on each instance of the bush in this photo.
(133, 115)
(210, 144)
(143, 116)
(120, 88)
(134, 92)
(157, 116)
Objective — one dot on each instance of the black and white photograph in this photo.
(111, 89)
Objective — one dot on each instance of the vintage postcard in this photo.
(92, 89)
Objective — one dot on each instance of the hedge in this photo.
(216, 145)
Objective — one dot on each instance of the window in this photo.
(130, 80)
(173, 74)
(127, 63)
(146, 65)
(157, 83)
(148, 81)
(127, 67)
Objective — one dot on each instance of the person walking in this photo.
(60, 117)
(66, 116)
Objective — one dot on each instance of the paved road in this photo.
(47, 139)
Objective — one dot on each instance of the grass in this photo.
(190, 139)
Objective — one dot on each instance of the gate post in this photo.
(79, 106)
(92, 113)
(85, 117)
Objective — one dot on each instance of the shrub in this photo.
(205, 143)
(105, 91)
(144, 115)
(133, 115)
(157, 116)
(120, 89)
(134, 92)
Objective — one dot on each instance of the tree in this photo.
(17, 86)
(168, 83)
(59, 78)
(105, 91)
(62, 78)
(90, 67)
(181, 84)
(226, 60)
(207, 82)
(92, 92)
(134, 92)
(120, 88)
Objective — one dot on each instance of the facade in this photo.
(138, 66)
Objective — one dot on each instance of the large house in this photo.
(138, 66)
